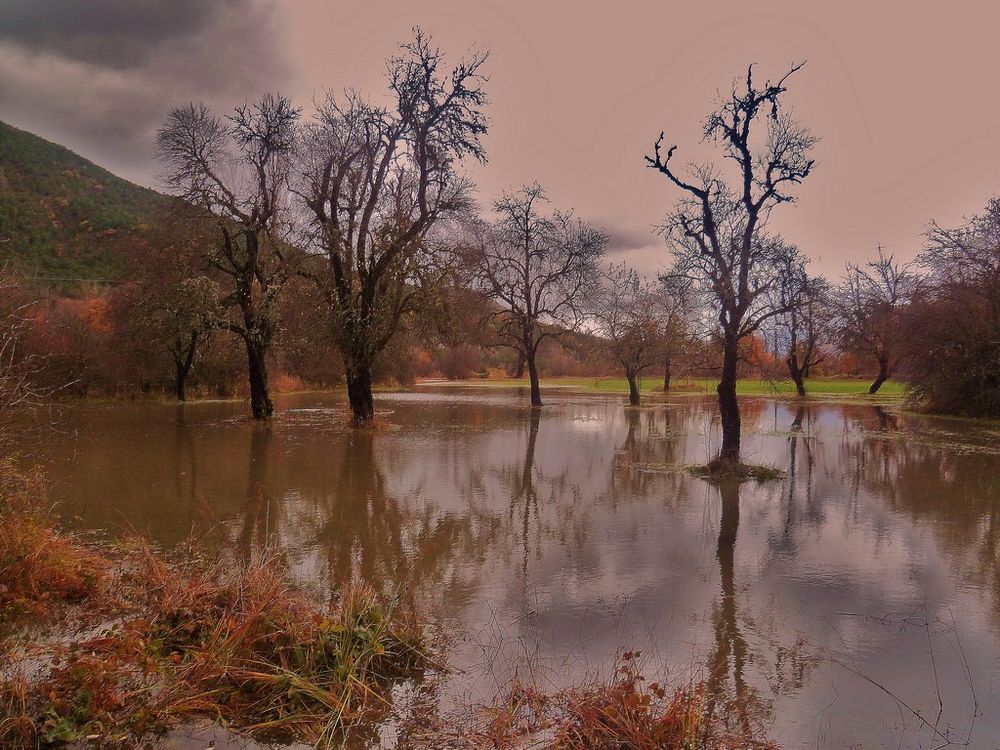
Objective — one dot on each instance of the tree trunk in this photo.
(519, 367)
(182, 363)
(633, 389)
(730, 646)
(527, 491)
(536, 392)
(797, 373)
(666, 375)
(729, 409)
(883, 375)
(179, 389)
(359, 392)
(260, 399)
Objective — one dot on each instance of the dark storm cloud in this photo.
(117, 33)
(100, 76)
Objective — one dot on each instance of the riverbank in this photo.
(115, 645)
(109, 645)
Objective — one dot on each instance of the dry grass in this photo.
(39, 566)
(252, 651)
(149, 644)
(622, 712)
(628, 713)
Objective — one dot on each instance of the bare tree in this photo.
(716, 231)
(676, 305)
(626, 310)
(540, 269)
(804, 300)
(870, 302)
(379, 184)
(235, 175)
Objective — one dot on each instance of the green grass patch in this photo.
(745, 387)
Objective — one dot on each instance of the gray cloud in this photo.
(100, 76)
(116, 33)
(639, 248)
(623, 239)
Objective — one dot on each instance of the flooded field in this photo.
(854, 602)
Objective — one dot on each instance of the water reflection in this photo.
(260, 516)
(730, 653)
(524, 497)
(566, 533)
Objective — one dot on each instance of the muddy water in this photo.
(863, 584)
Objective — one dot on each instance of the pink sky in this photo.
(903, 96)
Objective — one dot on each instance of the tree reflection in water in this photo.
(399, 545)
(730, 652)
(186, 466)
(260, 517)
(524, 494)
(797, 436)
(938, 470)
(728, 688)
(576, 530)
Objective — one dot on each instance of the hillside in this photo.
(63, 216)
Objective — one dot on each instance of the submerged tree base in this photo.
(719, 470)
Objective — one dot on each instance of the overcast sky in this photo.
(903, 95)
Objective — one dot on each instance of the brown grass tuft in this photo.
(39, 565)
(623, 711)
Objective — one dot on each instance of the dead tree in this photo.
(870, 302)
(235, 175)
(798, 330)
(676, 305)
(717, 231)
(626, 313)
(540, 269)
(378, 185)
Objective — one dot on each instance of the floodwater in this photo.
(855, 602)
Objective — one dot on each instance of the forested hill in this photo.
(62, 216)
